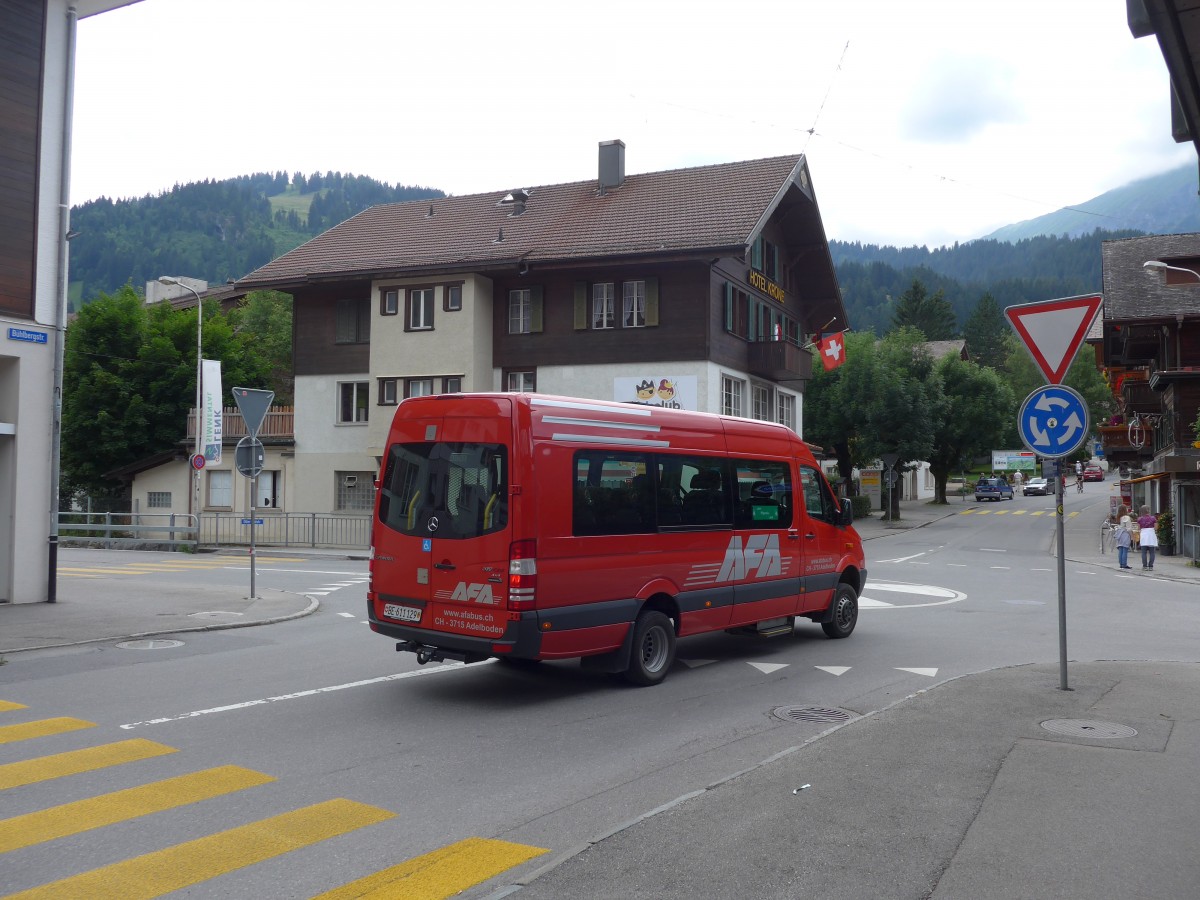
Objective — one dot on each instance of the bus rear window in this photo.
(464, 486)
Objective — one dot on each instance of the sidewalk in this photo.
(994, 785)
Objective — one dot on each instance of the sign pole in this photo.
(253, 504)
(1062, 578)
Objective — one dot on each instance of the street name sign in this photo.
(1054, 330)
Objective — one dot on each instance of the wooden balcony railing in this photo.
(780, 361)
(279, 422)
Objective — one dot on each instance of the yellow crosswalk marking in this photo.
(41, 728)
(1002, 512)
(1019, 512)
(74, 762)
(9, 706)
(442, 873)
(121, 806)
(175, 868)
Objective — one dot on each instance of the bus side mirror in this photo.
(846, 514)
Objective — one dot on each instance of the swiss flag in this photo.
(832, 350)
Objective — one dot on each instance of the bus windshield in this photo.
(456, 490)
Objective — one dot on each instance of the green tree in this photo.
(985, 331)
(263, 322)
(129, 380)
(978, 407)
(933, 316)
(834, 416)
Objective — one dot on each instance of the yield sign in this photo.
(1053, 330)
(253, 404)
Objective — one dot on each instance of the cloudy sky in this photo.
(924, 122)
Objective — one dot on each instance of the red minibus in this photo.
(533, 527)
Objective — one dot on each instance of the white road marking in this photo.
(317, 593)
(901, 559)
(957, 565)
(945, 595)
(1005, 568)
(929, 672)
(417, 673)
(1041, 570)
(768, 668)
(834, 670)
(991, 550)
(871, 603)
(347, 615)
(301, 571)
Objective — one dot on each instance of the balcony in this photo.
(779, 361)
(278, 423)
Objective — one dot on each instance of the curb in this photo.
(313, 605)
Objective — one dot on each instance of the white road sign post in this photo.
(253, 404)
(1053, 420)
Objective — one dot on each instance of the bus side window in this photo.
(764, 494)
(818, 499)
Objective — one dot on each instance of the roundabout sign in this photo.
(1053, 421)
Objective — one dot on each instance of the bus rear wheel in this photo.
(653, 649)
(845, 613)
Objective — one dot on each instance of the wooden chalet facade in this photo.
(1150, 353)
(695, 287)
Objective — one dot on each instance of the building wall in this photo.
(324, 447)
(33, 60)
(458, 345)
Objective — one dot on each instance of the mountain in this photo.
(1160, 204)
(215, 230)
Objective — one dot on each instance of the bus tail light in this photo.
(522, 574)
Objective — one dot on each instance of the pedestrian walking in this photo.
(1018, 480)
(1124, 538)
(1148, 538)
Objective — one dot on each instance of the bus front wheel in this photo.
(653, 649)
(845, 612)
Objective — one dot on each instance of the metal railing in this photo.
(276, 529)
(177, 530)
(116, 529)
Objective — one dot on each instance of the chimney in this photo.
(612, 165)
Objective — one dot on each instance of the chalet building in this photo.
(696, 288)
(1150, 353)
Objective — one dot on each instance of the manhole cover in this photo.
(1088, 729)
(820, 715)
(149, 645)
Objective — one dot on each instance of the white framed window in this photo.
(520, 312)
(420, 309)
(418, 387)
(731, 396)
(389, 302)
(353, 402)
(524, 382)
(354, 491)
(760, 403)
(452, 385)
(387, 392)
(220, 488)
(267, 489)
(787, 410)
(633, 304)
(158, 499)
(453, 299)
(603, 305)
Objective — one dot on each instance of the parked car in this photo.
(1038, 486)
(993, 489)
(1093, 473)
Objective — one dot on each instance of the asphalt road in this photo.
(544, 758)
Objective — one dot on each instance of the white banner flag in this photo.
(211, 419)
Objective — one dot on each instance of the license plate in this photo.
(402, 613)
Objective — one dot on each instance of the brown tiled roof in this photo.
(681, 210)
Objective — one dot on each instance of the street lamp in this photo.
(168, 279)
(1158, 264)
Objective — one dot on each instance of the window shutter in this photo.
(756, 254)
(651, 301)
(581, 310)
(535, 312)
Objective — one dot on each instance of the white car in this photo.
(1038, 486)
